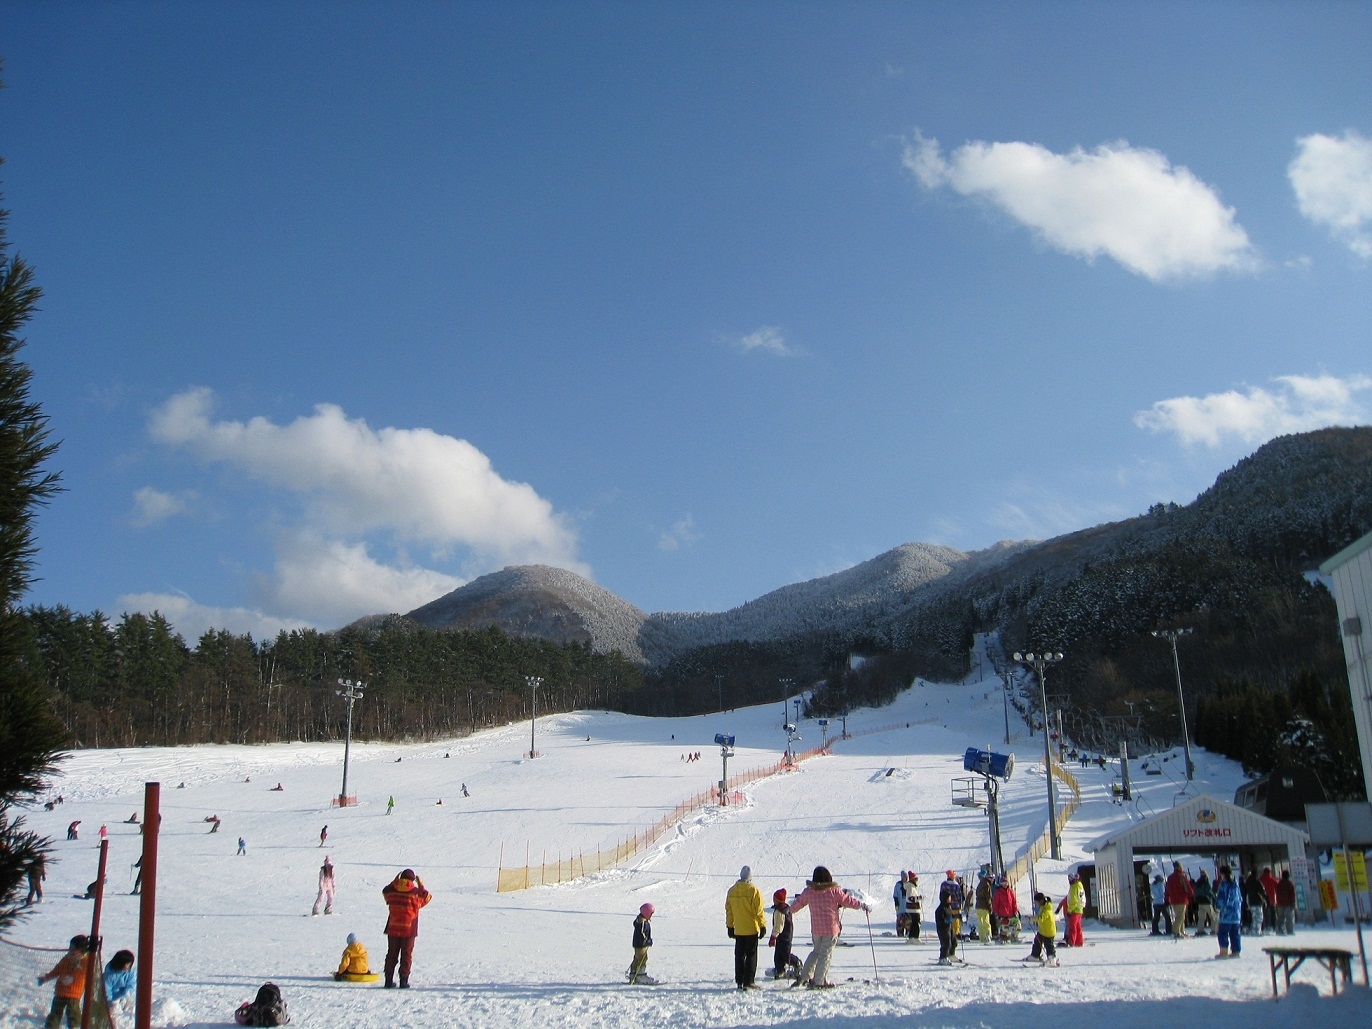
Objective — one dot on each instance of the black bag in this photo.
(268, 1008)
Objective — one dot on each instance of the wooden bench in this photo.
(1291, 958)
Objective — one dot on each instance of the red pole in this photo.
(93, 948)
(147, 910)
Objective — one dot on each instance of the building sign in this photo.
(1208, 833)
(1341, 869)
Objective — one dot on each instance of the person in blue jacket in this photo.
(1229, 902)
(120, 982)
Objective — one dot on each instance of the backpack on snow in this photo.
(269, 1008)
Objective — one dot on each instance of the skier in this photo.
(390, 804)
(326, 883)
(898, 898)
(945, 922)
(242, 845)
(985, 887)
(1047, 933)
(783, 931)
(824, 899)
(1229, 901)
(746, 923)
(1178, 894)
(404, 896)
(1074, 906)
(464, 790)
(643, 939)
(323, 835)
(952, 887)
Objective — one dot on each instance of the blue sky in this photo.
(349, 303)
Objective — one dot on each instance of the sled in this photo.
(357, 977)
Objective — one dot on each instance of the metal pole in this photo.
(534, 682)
(1040, 662)
(93, 946)
(351, 693)
(1171, 636)
(1008, 678)
(147, 906)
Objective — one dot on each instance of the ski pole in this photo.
(870, 943)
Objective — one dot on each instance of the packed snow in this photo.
(556, 955)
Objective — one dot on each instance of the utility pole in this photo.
(1171, 636)
(1040, 663)
(351, 693)
(534, 682)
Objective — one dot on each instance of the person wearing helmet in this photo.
(643, 939)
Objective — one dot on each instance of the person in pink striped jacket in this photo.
(824, 899)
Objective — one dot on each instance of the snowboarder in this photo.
(355, 960)
(242, 846)
(70, 973)
(404, 896)
(746, 923)
(783, 931)
(325, 895)
(323, 835)
(824, 899)
(643, 939)
(464, 790)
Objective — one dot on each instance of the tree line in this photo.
(135, 682)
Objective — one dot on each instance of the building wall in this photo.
(1351, 571)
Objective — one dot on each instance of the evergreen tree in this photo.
(30, 736)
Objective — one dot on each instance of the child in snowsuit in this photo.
(1044, 939)
(1229, 903)
(945, 924)
(120, 982)
(783, 930)
(643, 939)
(326, 883)
(70, 974)
(354, 961)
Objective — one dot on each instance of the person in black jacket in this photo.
(945, 923)
(1254, 899)
(783, 930)
(643, 939)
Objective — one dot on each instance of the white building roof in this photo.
(1203, 823)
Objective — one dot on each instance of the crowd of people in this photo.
(1260, 905)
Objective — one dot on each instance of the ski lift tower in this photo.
(352, 693)
(970, 792)
(726, 751)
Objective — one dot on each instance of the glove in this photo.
(731, 934)
(762, 934)
(867, 908)
(772, 942)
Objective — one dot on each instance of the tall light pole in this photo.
(785, 693)
(534, 682)
(352, 693)
(1008, 678)
(1039, 663)
(1171, 636)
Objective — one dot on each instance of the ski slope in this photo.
(555, 955)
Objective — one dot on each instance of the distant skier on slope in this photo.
(326, 886)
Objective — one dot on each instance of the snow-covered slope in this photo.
(554, 956)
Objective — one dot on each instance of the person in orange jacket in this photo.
(70, 974)
(404, 896)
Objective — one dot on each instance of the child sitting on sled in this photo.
(354, 959)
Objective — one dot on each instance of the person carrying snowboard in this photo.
(643, 939)
(326, 883)
(404, 896)
(746, 923)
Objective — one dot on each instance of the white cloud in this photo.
(152, 506)
(418, 484)
(1128, 203)
(1297, 403)
(682, 534)
(192, 620)
(1332, 178)
(366, 491)
(767, 339)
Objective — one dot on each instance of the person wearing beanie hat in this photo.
(404, 896)
(914, 902)
(783, 930)
(952, 887)
(643, 939)
(824, 899)
(746, 922)
(355, 961)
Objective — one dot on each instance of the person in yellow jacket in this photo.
(1074, 906)
(746, 921)
(1044, 939)
(355, 960)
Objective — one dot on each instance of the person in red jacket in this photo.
(404, 896)
(1268, 881)
(1286, 905)
(1178, 895)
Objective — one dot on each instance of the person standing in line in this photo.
(1158, 889)
(983, 907)
(824, 899)
(1074, 907)
(952, 887)
(326, 886)
(1269, 906)
(1286, 905)
(945, 922)
(1179, 894)
(1229, 905)
(70, 973)
(898, 898)
(1206, 918)
(913, 905)
(1255, 899)
(404, 897)
(746, 922)
(643, 939)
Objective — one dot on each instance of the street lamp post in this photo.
(351, 692)
(1171, 636)
(1039, 663)
(1008, 678)
(534, 682)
